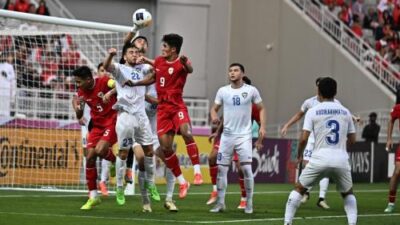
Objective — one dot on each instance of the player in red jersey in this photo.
(171, 71)
(102, 136)
(212, 157)
(394, 115)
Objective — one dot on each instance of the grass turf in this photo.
(23, 207)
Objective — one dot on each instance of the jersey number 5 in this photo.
(333, 137)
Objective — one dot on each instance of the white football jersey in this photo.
(308, 104)
(129, 99)
(331, 123)
(151, 109)
(237, 108)
(7, 80)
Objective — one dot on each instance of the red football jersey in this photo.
(170, 80)
(102, 115)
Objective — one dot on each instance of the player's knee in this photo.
(187, 137)
(349, 192)
(300, 188)
(123, 154)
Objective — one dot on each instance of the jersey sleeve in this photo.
(219, 97)
(256, 98)
(116, 72)
(308, 125)
(351, 128)
(305, 106)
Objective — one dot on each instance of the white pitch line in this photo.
(195, 222)
(190, 193)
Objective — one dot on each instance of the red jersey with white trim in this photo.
(170, 80)
(102, 115)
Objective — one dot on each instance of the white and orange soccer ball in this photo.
(142, 18)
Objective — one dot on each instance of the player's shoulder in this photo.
(225, 88)
(158, 60)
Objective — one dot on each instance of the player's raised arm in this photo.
(186, 63)
(108, 61)
(296, 117)
(150, 78)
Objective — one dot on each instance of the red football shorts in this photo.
(397, 155)
(171, 118)
(101, 133)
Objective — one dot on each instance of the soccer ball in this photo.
(142, 18)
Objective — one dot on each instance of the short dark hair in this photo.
(140, 37)
(239, 65)
(83, 72)
(100, 65)
(174, 41)
(124, 49)
(373, 114)
(246, 80)
(318, 80)
(327, 87)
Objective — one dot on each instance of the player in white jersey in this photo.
(132, 123)
(324, 182)
(8, 87)
(237, 99)
(333, 129)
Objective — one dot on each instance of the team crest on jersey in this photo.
(244, 94)
(100, 94)
(170, 70)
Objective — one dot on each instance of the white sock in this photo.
(323, 187)
(292, 204)
(93, 193)
(181, 179)
(143, 190)
(196, 169)
(149, 168)
(248, 182)
(105, 165)
(170, 178)
(120, 167)
(222, 182)
(214, 187)
(350, 206)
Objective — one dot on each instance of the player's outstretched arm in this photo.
(150, 99)
(389, 141)
(150, 78)
(296, 117)
(108, 61)
(143, 59)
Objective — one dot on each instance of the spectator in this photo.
(371, 131)
(10, 5)
(358, 9)
(371, 19)
(22, 6)
(356, 26)
(70, 59)
(32, 9)
(7, 86)
(344, 14)
(42, 9)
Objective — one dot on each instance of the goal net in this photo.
(40, 138)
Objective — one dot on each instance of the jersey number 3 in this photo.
(333, 136)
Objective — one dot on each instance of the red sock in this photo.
(392, 196)
(213, 174)
(242, 188)
(110, 156)
(193, 152)
(91, 178)
(172, 163)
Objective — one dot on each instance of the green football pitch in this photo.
(23, 207)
